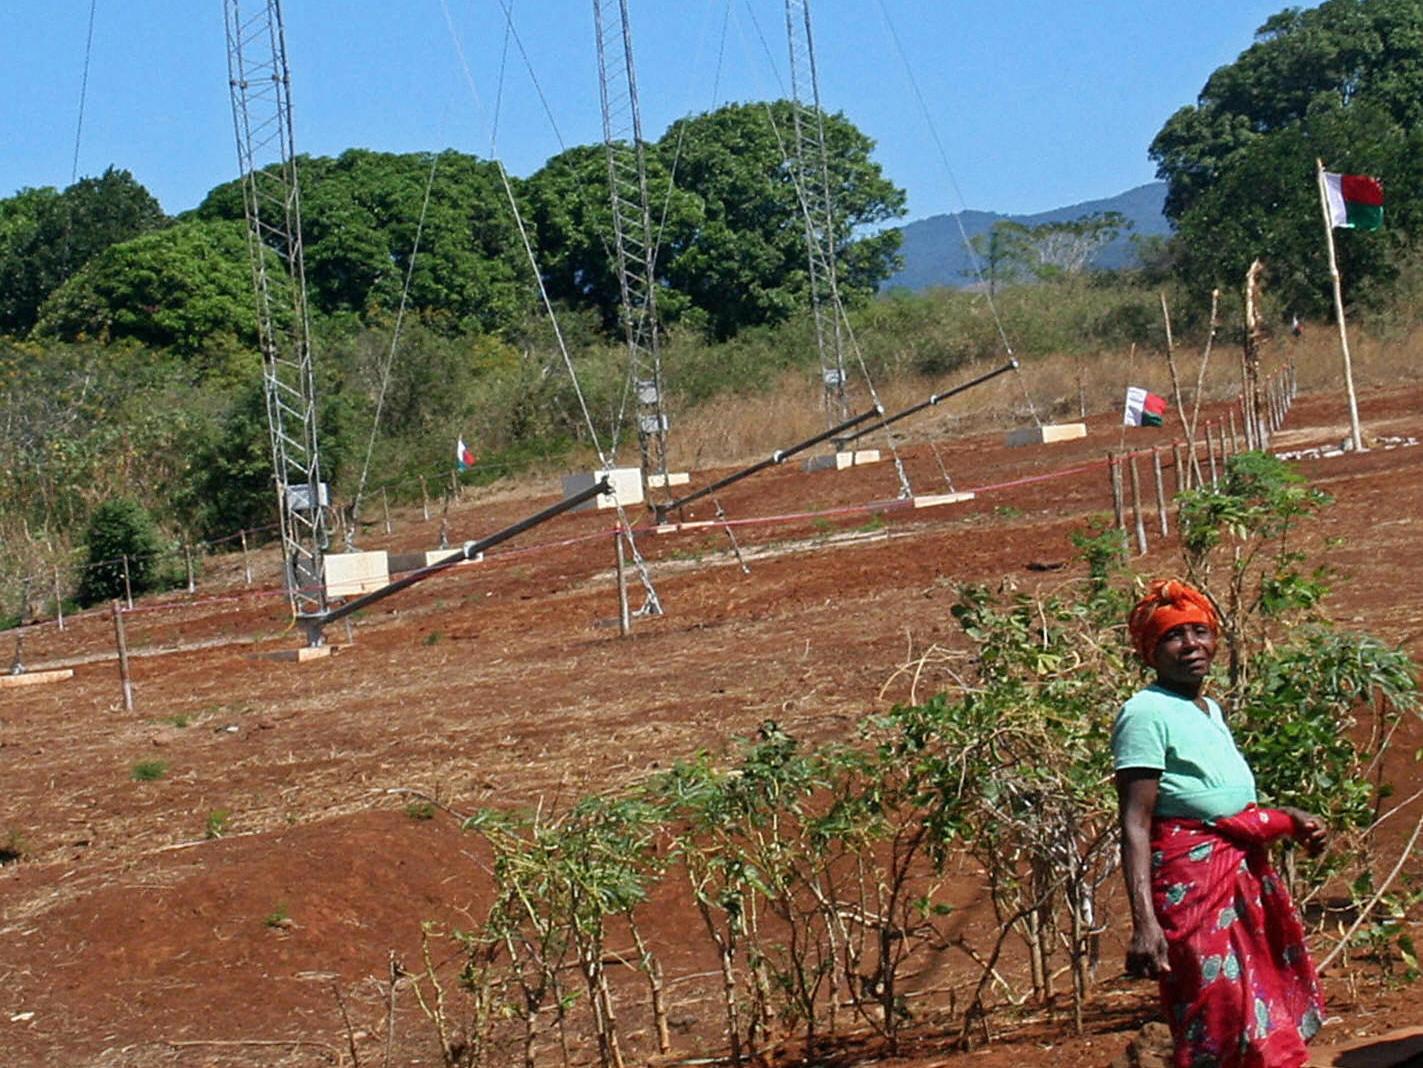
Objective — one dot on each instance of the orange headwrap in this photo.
(1168, 603)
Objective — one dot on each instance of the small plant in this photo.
(873, 523)
(215, 826)
(13, 847)
(149, 770)
(278, 917)
(433, 638)
(179, 720)
(1007, 511)
(420, 810)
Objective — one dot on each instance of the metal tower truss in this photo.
(262, 118)
(810, 170)
(634, 239)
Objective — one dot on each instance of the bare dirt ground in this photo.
(129, 938)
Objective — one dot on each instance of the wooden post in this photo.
(58, 600)
(624, 616)
(1224, 452)
(1160, 488)
(1355, 433)
(1114, 472)
(1136, 504)
(385, 505)
(454, 485)
(1210, 455)
(122, 643)
(1178, 467)
(188, 561)
(246, 563)
(128, 586)
(424, 500)
(1234, 436)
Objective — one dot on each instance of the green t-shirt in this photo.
(1203, 775)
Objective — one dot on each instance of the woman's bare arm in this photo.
(1136, 800)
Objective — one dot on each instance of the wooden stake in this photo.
(385, 504)
(624, 616)
(58, 600)
(1178, 467)
(1196, 479)
(246, 563)
(1171, 365)
(1355, 433)
(1136, 504)
(188, 560)
(454, 484)
(1210, 451)
(1114, 472)
(1160, 488)
(122, 643)
(1234, 437)
(128, 586)
(1220, 433)
(424, 500)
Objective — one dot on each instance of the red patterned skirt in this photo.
(1242, 991)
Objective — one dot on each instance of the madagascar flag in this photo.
(1355, 201)
(464, 459)
(1143, 408)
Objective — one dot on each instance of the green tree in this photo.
(181, 288)
(1343, 82)
(361, 213)
(745, 263)
(121, 534)
(45, 236)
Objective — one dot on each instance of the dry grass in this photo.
(735, 429)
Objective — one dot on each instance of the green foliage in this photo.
(188, 288)
(279, 917)
(45, 236)
(215, 825)
(119, 530)
(1013, 251)
(1341, 81)
(420, 810)
(149, 770)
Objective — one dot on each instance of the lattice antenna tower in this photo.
(262, 118)
(634, 240)
(810, 169)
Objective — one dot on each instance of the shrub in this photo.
(120, 529)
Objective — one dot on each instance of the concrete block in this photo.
(402, 562)
(35, 678)
(1045, 435)
(695, 524)
(839, 461)
(303, 655)
(350, 574)
(626, 483)
(933, 500)
(674, 478)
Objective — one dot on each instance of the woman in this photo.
(1210, 918)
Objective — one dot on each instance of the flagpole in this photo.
(1357, 437)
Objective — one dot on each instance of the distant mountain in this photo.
(934, 253)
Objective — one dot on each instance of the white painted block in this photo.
(673, 478)
(626, 483)
(35, 678)
(694, 524)
(930, 500)
(1045, 435)
(865, 456)
(350, 574)
(839, 461)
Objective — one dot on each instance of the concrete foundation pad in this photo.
(695, 524)
(351, 574)
(1045, 435)
(673, 478)
(297, 656)
(35, 678)
(933, 500)
(626, 483)
(839, 461)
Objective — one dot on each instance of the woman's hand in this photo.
(1310, 831)
(1146, 956)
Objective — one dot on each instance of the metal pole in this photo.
(1355, 433)
(937, 398)
(122, 643)
(128, 586)
(1136, 504)
(1160, 487)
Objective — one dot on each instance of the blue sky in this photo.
(1038, 103)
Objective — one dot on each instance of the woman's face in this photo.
(1184, 654)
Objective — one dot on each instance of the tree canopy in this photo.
(1342, 82)
(46, 236)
